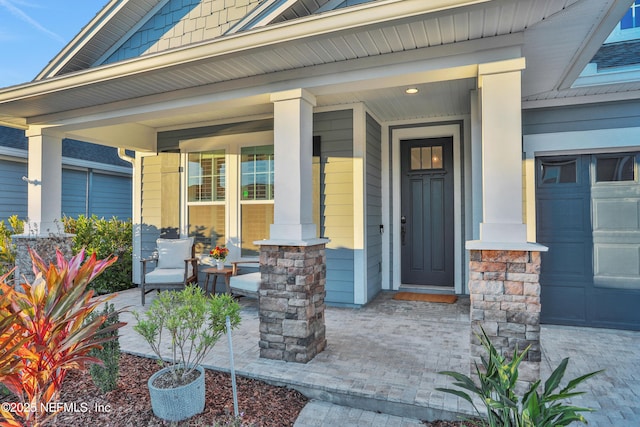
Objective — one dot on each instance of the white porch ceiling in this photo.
(259, 57)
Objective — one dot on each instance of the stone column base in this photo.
(45, 246)
(505, 301)
(292, 292)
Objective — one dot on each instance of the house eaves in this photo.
(369, 30)
(110, 25)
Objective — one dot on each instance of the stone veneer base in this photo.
(504, 289)
(291, 302)
(44, 246)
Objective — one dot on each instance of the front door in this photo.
(426, 221)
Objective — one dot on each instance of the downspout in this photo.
(124, 156)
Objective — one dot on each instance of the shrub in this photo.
(7, 248)
(105, 237)
(194, 323)
(106, 377)
(497, 383)
(48, 333)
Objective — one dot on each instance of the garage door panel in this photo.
(616, 260)
(565, 259)
(618, 214)
(556, 214)
(614, 310)
(565, 305)
(591, 274)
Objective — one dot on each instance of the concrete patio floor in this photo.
(381, 363)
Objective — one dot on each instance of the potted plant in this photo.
(194, 322)
(219, 253)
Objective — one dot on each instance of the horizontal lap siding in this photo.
(74, 192)
(151, 204)
(336, 131)
(13, 197)
(373, 191)
(111, 196)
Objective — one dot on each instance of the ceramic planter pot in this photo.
(180, 403)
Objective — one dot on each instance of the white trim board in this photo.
(428, 131)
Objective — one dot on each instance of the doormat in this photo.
(412, 296)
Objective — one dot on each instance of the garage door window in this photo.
(558, 171)
(618, 168)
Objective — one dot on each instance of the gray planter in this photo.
(177, 404)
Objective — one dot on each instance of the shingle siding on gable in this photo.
(183, 22)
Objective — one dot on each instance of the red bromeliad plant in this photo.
(49, 332)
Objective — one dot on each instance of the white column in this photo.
(501, 122)
(293, 149)
(44, 184)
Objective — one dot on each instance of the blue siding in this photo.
(13, 190)
(608, 115)
(336, 217)
(373, 191)
(110, 196)
(74, 192)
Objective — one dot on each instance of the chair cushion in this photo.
(173, 252)
(165, 275)
(246, 282)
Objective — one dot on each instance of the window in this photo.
(229, 191)
(424, 158)
(256, 196)
(558, 171)
(618, 168)
(206, 190)
(631, 19)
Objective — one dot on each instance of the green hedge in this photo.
(7, 248)
(105, 237)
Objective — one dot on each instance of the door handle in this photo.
(403, 229)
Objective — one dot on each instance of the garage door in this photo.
(588, 212)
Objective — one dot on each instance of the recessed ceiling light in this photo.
(411, 90)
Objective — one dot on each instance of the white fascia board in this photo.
(130, 33)
(102, 19)
(569, 100)
(594, 41)
(314, 25)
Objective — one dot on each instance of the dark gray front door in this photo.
(427, 211)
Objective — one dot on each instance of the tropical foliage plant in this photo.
(45, 333)
(504, 407)
(194, 323)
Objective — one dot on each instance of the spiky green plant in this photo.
(504, 407)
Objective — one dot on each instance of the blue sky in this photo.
(32, 32)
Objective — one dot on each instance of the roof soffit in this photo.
(318, 39)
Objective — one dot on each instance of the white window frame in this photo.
(232, 146)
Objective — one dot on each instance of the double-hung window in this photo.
(230, 192)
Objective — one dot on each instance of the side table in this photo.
(213, 271)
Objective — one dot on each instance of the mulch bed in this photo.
(260, 404)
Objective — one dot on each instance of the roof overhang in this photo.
(371, 35)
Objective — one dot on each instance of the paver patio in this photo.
(385, 357)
